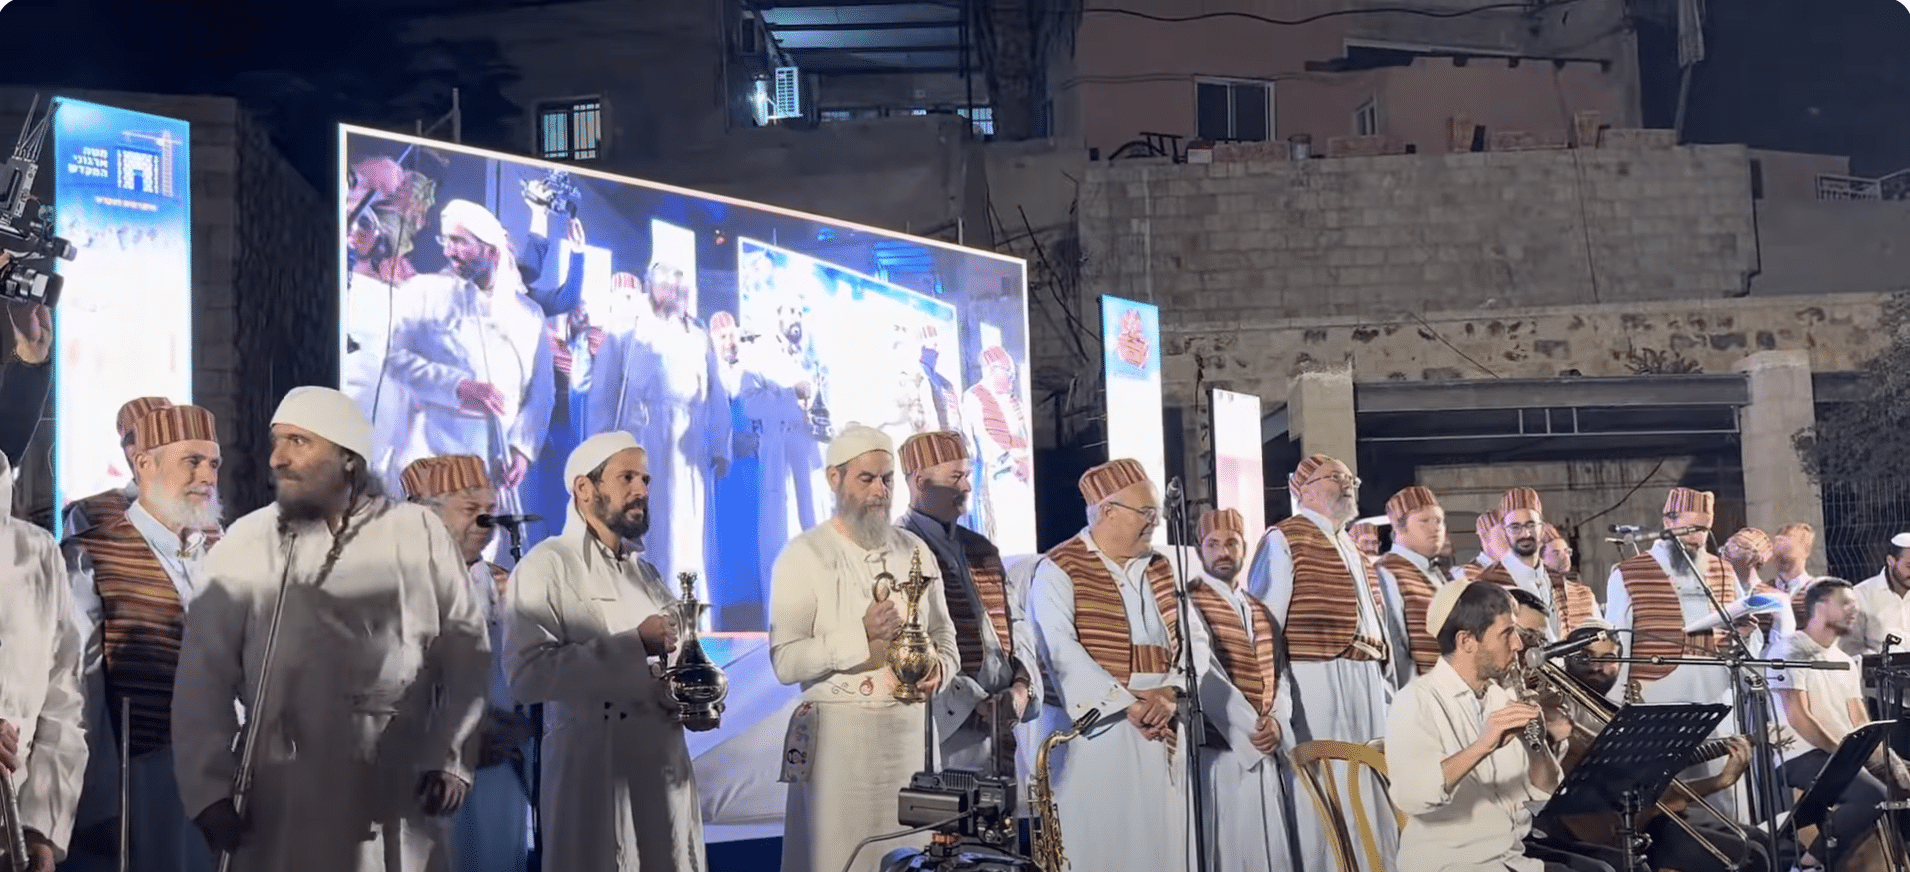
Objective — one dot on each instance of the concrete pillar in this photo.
(1776, 489)
(1320, 411)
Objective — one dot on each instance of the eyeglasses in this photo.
(1528, 526)
(1339, 478)
(1149, 514)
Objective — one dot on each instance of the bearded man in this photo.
(376, 678)
(107, 505)
(835, 608)
(134, 581)
(587, 615)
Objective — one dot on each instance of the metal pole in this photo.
(457, 118)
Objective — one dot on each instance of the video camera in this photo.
(27, 243)
(981, 838)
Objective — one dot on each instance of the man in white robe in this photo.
(1248, 701)
(107, 505)
(588, 614)
(376, 681)
(470, 346)
(999, 687)
(134, 580)
(997, 423)
(490, 831)
(1104, 606)
(1307, 571)
(778, 384)
(659, 381)
(836, 606)
(42, 706)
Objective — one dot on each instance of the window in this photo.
(1239, 110)
(570, 129)
(982, 118)
(1366, 118)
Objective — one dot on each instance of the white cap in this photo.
(594, 452)
(1441, 607)
(857, 440)
(329, 414)
(1901, 540)
(474, 219)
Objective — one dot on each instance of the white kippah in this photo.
(594, 452)
(1441, 608)
(1901, 540)
(328, 413)
(857, 440)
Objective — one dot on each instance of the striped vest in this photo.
(1253, 667)
(1416, 594)
(1320, 625)
(1581, 605)
(991, 582)
(142, 622)
(1100, 619)
(1655, 610)
(1472, 570)
(101, 508)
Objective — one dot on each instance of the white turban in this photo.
(329, 414)
(475, 219)
(857, 440)
(594, 452)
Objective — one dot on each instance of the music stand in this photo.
(1824, 792)
(1630, 764)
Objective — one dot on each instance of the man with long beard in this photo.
(470, 347)
(107, 505)
(376, 680)
(489, 830)
(1307, 571)
(587, 615)
(1110, 625)
(134, 580)
(1000, 685)
(42, 731)
(835, 608)
(1248, 701)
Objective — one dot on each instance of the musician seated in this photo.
(1674, 843)
(1819, 707)
(1457, 747)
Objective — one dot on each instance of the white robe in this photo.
(163, 837)
(40, 692)
(350, 721)
(450, 332)
(866, 743)
(619, 792)
(1343, 700)
(659, 382)
(491, 833)
(790, 452)
(371, 315)
(1121, 798)
(1249, 794)
(1009, 498)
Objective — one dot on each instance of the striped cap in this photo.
(626, 281)
(1305, 471)
(1408, 501)
(933, 448)
(1487, 521)
(995, 355)
(169, 424)
(1684, 499)
(1362, 528)
(1752, 540)
(1222, 521)
(431, 476)
(130, 413)
(1110, 478)
(1548, 533)
(927, 333)
(722, 321)
(1521, 499)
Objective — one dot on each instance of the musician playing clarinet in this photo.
(375, 675)
(42, 738)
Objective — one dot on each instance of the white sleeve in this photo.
(802, 645)
(56, 764)
(552, 657)
(210, 679)
(1080, 682)
(1271, 577)
(1618, 614)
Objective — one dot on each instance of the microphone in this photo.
(1625, 530)
(1675, 532)
(1536, 656)
(1173, 489)
(508, 522)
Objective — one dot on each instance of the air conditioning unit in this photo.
(785, 93)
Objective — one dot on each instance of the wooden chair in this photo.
(1312, 763)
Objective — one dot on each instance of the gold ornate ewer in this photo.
(911, 657)
(695, 681)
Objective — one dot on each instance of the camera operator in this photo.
(26, 375)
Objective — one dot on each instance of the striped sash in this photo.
(142, 624)
(1581, 604)
(1320, 625)
(1472, 570)
(1100, 618)
(983, 561)
(1656, 611)
(1416, 594)
(996, 421)
(1250, 665)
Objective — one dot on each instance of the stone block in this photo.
(1627, 138)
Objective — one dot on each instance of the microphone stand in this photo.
(1752, 696)
(1176, 506)
(535, 861)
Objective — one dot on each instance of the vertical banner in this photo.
(123, 327)
(1239, 479)
(1131, 356)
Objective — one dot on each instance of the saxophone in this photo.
(1048, 854)
(16, 836)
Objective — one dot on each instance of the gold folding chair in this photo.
(1311, 762)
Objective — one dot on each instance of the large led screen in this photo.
(124, 323)
(1239, 481)
(1131, 358)
(511, 308)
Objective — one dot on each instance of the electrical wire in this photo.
(1336, 13)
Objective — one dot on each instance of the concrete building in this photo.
(264, 279)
